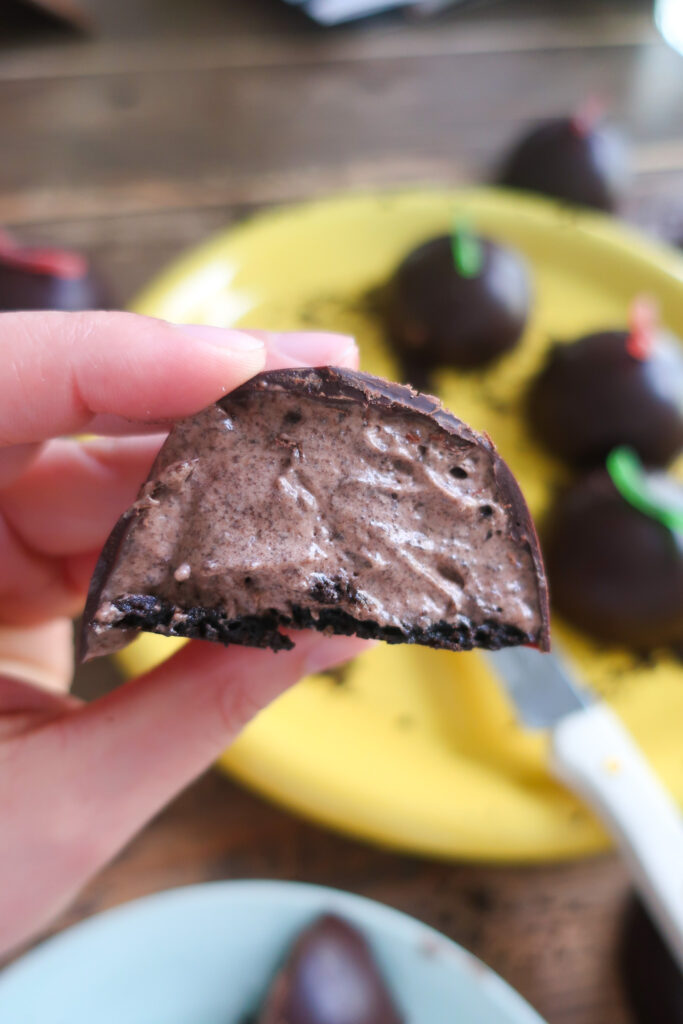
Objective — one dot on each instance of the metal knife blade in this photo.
(541, 686)
(592, 753)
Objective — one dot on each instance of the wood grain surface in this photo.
(177, 118)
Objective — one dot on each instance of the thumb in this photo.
(76, 367)
(112, 765)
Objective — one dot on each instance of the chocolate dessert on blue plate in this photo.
(330, 977)
(579, 159)
(457, 300)
(329, 499)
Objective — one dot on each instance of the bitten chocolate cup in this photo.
(325, 499)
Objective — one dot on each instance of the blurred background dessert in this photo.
(611, 388)
(578, 158)
(458, 300)
(32, 277)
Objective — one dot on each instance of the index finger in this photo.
(60, 370)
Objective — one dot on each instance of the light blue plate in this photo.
(205, 955)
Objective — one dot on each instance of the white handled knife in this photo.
(593, 754)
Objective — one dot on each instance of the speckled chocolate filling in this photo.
(329, 499)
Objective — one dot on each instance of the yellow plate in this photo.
(418, 749)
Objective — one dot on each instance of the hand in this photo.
(77, 781)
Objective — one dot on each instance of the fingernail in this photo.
(327, 652)
(312, 348)
(222, 337)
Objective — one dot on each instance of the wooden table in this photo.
(180, 117)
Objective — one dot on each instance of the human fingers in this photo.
(283, 349)
(69, 498)
(113, 764)
(33, 587)
(41, 655)
(62, 369)
(65, 503)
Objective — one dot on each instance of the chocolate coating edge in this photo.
(102, 569)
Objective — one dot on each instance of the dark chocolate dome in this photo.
(614, 571)
(438, 316)
(593, 394)
(330, 977)
(32, 279)
(586, 165)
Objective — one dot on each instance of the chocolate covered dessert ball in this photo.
(578, 159)
(40, 278)
(330, 977)
(614, 553)
(611, 388)
(458, 300)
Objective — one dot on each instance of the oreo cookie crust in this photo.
(328, 499)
